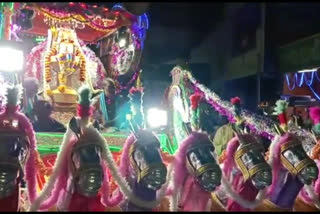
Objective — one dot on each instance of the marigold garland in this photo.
(82, 65)
(47, 61)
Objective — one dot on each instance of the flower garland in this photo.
(82, 65)
(258, 124)
(34, 58)
(92, 57)
(47, 61)
(120, 87)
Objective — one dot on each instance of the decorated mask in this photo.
(297, 162)
(201, 163)
(146, 160)
(250, 160)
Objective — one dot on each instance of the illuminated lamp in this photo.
(11, 56)
(157, 118)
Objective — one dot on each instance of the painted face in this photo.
(202, 164)
(298, 163)
(88, 171)
(251, 162)
(13, 153)
(148, 165)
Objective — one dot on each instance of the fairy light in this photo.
(303, 79)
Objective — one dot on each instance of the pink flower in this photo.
(235, 100)
(195, 100)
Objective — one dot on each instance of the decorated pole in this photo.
(6, 19)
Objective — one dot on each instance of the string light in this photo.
(303, 79)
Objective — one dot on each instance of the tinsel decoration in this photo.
(314, 113)
(258, 124)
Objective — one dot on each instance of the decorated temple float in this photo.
(63, 62)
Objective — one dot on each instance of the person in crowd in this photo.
(110, 109)
(31, 87)
(43, 122)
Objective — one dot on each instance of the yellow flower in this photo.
(49, 93)
(62, 88)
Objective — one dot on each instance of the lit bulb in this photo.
(122, 43)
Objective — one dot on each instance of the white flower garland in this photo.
(48, 187)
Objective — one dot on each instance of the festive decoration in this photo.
(260, 125)
(250, 191)
(49, 143)
(15, 29)
(280, 110)
(257, 124)
(150, 179)
(189, 191)
(16, 127)
(285, 171)
(47, 61)
(136, 103)
(56, 18)
(314, 113)
(235, 101)
(91, 23)
(84, 108)
(126, 86)
(303, 80)
(7, 15)
(35, 58)
(195, 100)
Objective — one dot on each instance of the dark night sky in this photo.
(176, 29)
